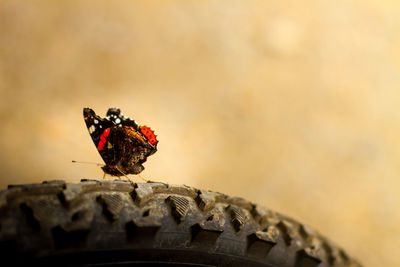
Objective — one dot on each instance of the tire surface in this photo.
(104, 223)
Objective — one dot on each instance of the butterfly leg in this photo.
(143, 178)
(126, 176)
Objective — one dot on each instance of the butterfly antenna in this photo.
(87, 162)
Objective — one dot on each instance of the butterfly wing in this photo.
(102, 133)
(115, 115)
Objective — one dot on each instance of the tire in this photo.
(104, 223)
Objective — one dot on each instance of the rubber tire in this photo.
(103, 223)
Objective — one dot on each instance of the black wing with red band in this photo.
(99, 129)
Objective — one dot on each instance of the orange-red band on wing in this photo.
(146, 131)
(103, 136)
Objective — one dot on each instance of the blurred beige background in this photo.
(290, 104)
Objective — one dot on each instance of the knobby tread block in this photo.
(121, 215)
(112, 205)
(71, 193)
(286, 229)
(145, 191)
(179, 207)
(205, 200)
(305, 258)
(136, 230)
(238, 218)
(260, 243)
(32, 220)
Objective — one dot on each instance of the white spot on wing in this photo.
(96, 121)
(117, 121)
(91, 129)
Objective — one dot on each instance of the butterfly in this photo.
(121, 142)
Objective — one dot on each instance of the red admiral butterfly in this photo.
(121, 142)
